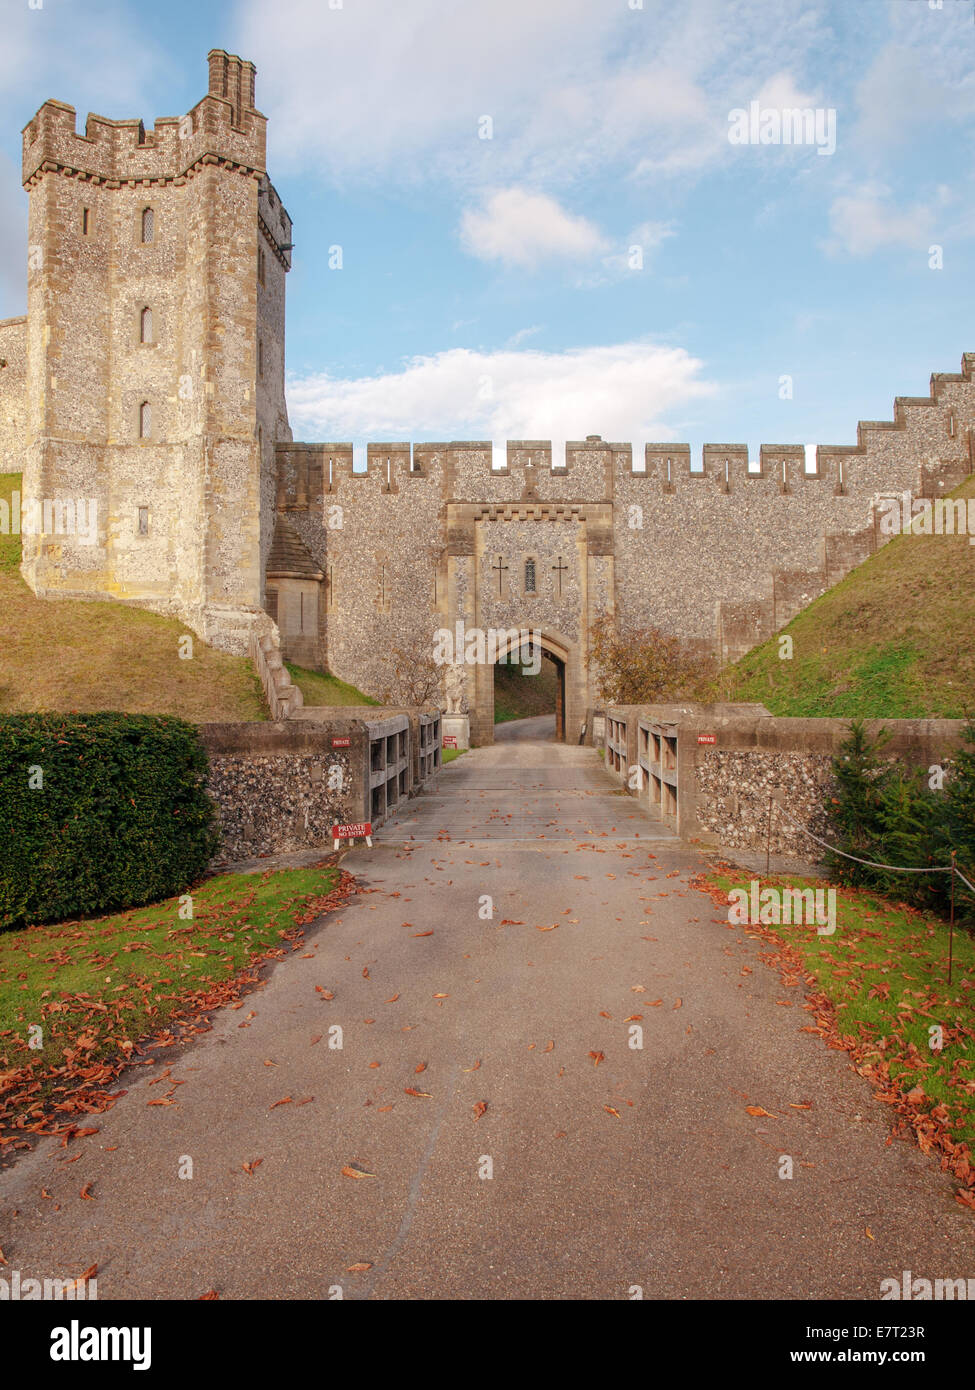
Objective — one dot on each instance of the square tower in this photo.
(155, 356)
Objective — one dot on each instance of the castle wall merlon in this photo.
(112, 150)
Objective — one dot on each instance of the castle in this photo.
(148, 377)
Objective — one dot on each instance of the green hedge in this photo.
(121, 817)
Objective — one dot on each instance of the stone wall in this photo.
(732, 761)
(13, 394)
(280, 787)
(722, 556)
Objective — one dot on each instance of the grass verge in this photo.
(878, 988)
(103, 990)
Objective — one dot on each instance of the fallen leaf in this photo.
(249, 1167)
(286, 1101)
(82, 1279)
(610, 1111)
(757, 1110)
(421, 1066)
(359, 1268)
(86, 1192)
(423, 933)
(549, 1046)
(349, 1172)
(411, 1092)
(479, 1109)
(475, 1067)
(393, 999)
(208, 1297)
(870, 1233)
(678, 1003)
(597, 1057)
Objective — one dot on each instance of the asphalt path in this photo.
(519, 921)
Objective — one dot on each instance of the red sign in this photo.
(707, 738)
(347, 832)
(341, 742)
(450, 740)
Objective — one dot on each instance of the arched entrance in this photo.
(561, 653)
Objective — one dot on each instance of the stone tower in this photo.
(154, 378)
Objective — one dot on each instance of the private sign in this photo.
(349, 832)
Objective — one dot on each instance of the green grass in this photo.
(891, 641)
(96, 987)
(884, 971)
(447, 755)
(517, 696)
(72, 654)
(319, 688)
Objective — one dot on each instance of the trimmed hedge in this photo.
(121, 817)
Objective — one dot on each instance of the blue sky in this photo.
(488, 286)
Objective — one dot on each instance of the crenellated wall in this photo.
(722, 555)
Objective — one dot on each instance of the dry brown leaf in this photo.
(349, 1172)
(208, 1297)
(393, 998)
(285, 1101)
(597, 1057)
(611, 1111)
(359, 1268)
(86, 1192)
(420, 1066)
(82, 1279)
(757, 1110)
(409, 1090)
(423, 933)
(549, 1046)
(678, 1003)
(249, 1167)
(480, 1108)
(475, 1067)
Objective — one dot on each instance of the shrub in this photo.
(99, 812)
(643, 666)
(891, 815)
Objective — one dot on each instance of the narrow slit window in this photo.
(145, 325)
(529, 576)
(143, 521)
(260, 266)
(85, 221)
(260, 358)
(148, 226)
(145, 420)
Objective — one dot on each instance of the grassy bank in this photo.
(95, 989)
(878, 988)
(72, 654)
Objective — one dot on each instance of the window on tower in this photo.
(145, 326)
(148, 226)
(529, 576)
(145, 420)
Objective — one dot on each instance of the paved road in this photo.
(642, 1170)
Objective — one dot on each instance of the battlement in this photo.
(223, 127)
(940, 429)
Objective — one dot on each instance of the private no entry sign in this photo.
(351, 832)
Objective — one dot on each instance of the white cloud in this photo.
(865, 221)
(394, 92)
(627, 392)
(522, 228)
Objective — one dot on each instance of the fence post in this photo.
(951, 920)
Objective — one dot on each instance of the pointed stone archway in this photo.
(570, 709)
